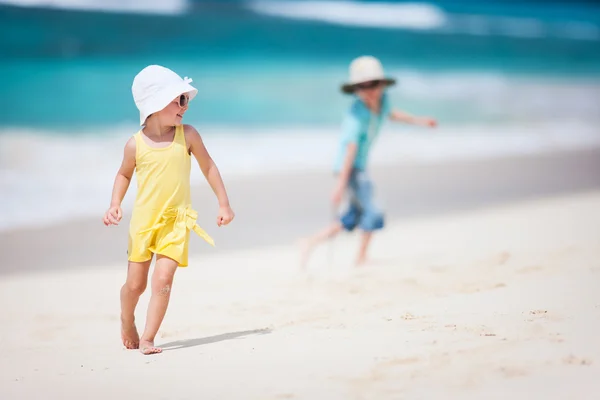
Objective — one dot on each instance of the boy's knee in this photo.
(348, 223)
(349, 220)
(372, 221)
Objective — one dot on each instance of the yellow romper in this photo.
(162, 216)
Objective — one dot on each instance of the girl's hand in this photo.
(113, 216)
(225, 216)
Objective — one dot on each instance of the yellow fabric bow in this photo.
(191, 216)
(185, 218)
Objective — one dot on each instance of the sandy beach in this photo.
(485, 301)
(479, 123)
(278, 208)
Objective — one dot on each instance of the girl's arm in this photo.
(401, 116)
(122, 181)
(210, 171)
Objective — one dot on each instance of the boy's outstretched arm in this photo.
(401, 116)
(114, 213)
(345, 172)
(211, 173)
(351, 128)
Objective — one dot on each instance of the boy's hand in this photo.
(430, 122)
(225, 216)
(113, 216)
(336, 196)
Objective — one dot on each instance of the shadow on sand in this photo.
(181, 344)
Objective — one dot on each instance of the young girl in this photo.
(162, 217)
(360, 128)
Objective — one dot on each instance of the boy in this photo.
(360, 128)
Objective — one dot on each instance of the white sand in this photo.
(490, 304)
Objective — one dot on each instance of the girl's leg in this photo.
(162, 281)
(137, 277)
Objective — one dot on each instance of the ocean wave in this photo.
(423, 17)
(420, 16)
(486, 96)
(60, 178)
(171, 7)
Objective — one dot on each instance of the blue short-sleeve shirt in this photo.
(360, 126)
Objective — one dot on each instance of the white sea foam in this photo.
(45, 179)
(170, 7)
(421, 16)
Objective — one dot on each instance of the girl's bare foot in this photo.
(147, 347)
(129, 335)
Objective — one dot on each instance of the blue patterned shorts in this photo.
(361, 210)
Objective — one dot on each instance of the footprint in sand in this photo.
(513, 372)
(572, 360)
(556, 338)
(439, 269)
(168, 334)
(530, 269)
(537, 315)
(537, 312)
(382, 371)
(408, 316)
(401, 361)
(502, 258)
(482, 330)
(475, 288)
(285, 396)
(565, 252)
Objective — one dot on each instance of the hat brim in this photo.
(349, 88)
(164, 98)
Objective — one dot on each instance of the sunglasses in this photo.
(183, 100)
(368, 85)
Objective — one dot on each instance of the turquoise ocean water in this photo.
(268, 73)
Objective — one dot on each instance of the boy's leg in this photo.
(347, 221)
(327, 233)
(372, 218)
(162, 281)
(309, 244)
(365, 239)
(137, 277)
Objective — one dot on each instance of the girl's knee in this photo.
(136, 286)
(162, 283)
(162, 280)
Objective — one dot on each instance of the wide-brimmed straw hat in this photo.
(365, 69)
(155, 87)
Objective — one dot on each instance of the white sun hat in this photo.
(365, 69)
(155, 87)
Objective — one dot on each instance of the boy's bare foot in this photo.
(129, 335)
(147, 347)
(305, 250)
